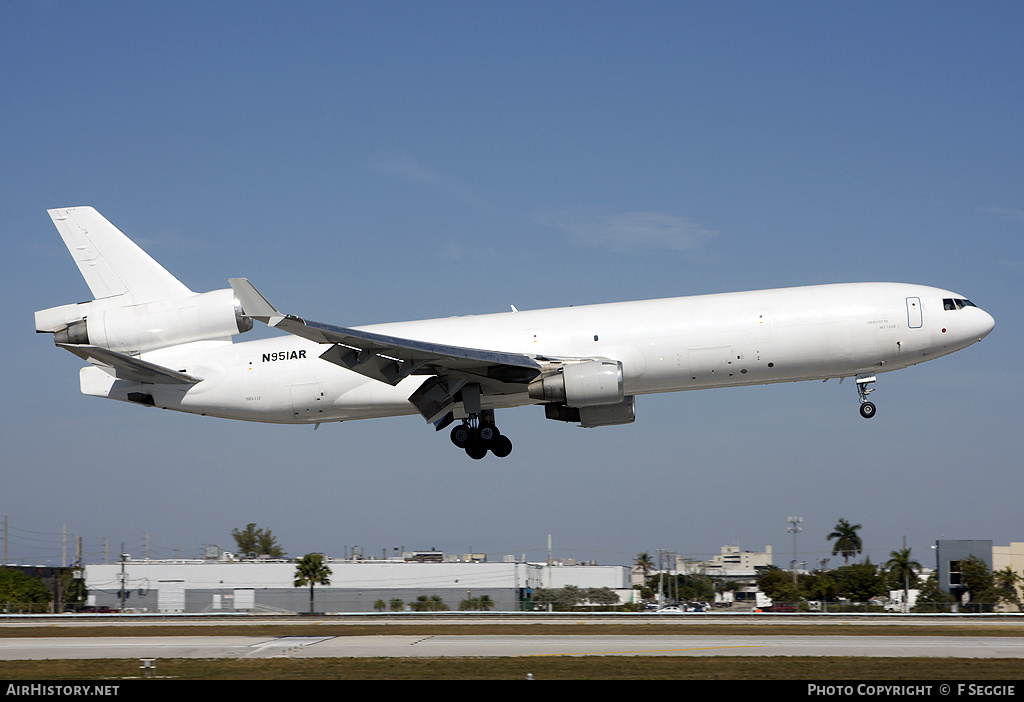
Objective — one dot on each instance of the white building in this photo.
(732, 562)
(355, 586)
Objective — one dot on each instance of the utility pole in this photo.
(794, 528)
(906, 580)
(124, 557)
(661, 576)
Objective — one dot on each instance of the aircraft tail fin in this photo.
(139, 306)
(111, 263)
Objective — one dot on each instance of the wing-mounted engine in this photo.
(589, 392)
(581, 384)
(132, 329)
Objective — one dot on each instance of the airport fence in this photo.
(867, 608)
(26, 607)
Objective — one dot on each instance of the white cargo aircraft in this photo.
(152, 341)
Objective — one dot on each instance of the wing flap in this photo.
(391, 359)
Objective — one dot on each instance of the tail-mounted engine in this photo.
(138, 328)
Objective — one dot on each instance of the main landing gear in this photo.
(867, 409)
(478, 435)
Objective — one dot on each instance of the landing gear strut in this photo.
(867, 409)
(478, 435)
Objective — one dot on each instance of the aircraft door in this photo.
(307, 400)
(914, 315)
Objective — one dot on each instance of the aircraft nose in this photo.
(986, 324)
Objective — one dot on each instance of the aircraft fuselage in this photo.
(666, 345)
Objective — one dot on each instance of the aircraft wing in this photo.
(391, 359)
(126, 367)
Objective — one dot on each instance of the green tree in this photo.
(560, 599)
(23, 591)
(778, 585)
(395, 605)
(604, 596)
(820, 585)
(859, 582)
(979, 584)
(312, 570)
(431, 603)
(643, 563)
(260, 542)
(848, 543)
(931, 598)
(469, 605)
(1006, 582)
(903, 570)
(380, 605)
(72, 587)
(684, 587)
(564, 599)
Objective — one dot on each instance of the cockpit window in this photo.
(951, 303)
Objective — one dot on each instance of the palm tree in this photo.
(847, 542)
(1006, 581)
(901, 565)
(312, 571)
(644, 564)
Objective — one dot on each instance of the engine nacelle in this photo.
(581, 384)
(154, 325)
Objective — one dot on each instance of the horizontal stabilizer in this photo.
(129, 368)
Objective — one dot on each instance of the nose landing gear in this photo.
(867, 409)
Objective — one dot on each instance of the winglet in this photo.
(253, 303)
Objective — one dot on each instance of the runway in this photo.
(237, 647)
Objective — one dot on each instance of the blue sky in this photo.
(371, 162)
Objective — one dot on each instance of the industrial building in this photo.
(363, 585)
(949, 553)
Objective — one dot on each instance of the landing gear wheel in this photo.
(476, 450)
(501, 446)
(867, 410)
(477, 435)
(461, 435)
